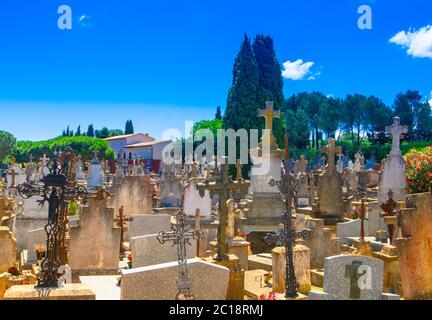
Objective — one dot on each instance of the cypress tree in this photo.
(270, 81)
(218, 113)
(90, 131)
(242, 106)
(129, 129)
(78, 131)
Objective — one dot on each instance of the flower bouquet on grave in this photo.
(40, 253)
(130, 261)
(272, 296)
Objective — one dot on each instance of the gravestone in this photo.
(193, 199)
(95, 178)
(7, 249)
(414, 247)
(394, 167)
(35, 237)
(210, 281)
(145, 224)
(146, 250)
(134, 193)
(321, 242)
(171, 189)
(349, 277)
(331, 206)
(94, 242)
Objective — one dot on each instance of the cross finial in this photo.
(396, 129)
(269, 113)
(330, 150)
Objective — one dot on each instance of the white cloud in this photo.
(297, 70)
(85, 20)
(418, 43)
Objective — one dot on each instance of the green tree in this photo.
(242, 105)
(7, 144)
(404, 107)
(218, 114)
(330, 115)
(102, 134)
(129, 128)
(270, 81)
(423, 118)
(297, 128)
(78, 131)
(90, 131)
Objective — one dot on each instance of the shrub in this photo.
(419, 170)
(83, 145)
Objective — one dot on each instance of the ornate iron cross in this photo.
(181, 236)
(389, 209)
(55, 189)
(221, 184)
(287, 233)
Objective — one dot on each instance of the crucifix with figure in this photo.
(180, 236)
(396, 129)
(331, 150)
(269, 113)
(287, 233)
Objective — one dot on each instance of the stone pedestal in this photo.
(415, 247)
(7, 249)
(7, 280)
(238, 247)
(301, 267)
(74, 291)
(235, 290)
(392, 276)
(265, 212)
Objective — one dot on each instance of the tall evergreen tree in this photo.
(218, 114)
(67, 131)
(242, 104)
(90, 131)
(129, 129)
(270, 81)
(78, 131)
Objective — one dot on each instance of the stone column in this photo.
(301, 267)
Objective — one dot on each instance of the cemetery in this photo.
(328, 198)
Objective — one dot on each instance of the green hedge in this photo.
(85, 146)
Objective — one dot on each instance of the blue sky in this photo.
(160, 63)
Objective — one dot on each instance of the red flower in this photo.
(130, 257)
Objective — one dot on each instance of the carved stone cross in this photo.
(396, 129)
(331, 150)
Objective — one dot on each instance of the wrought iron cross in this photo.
(180, 236)
(389, 209)
(121, 221)
(55, 189)
(287, 233)
(221, 184)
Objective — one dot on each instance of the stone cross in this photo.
(331, 150)
(302, 164)
(180, 236)
(269, 113)
(396, 129)
(287, 233)
(121, 221)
